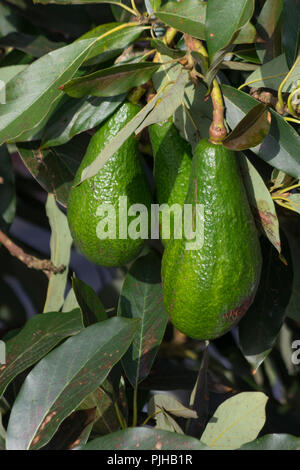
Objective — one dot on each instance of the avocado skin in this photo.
(122, 175)
(172, 165)
(208, 290)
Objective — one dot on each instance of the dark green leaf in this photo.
(291, 30)
(40, 334)
(61, 381)
(251, 130)
(54, 168)
(162, 48)
(281, 147)
(259, 328)
(144, 439)
(36, 46)
(268, 26)
(142, 297)
(223, 21)
(89, 302)
(112, 81)
(291, 228)
(190, 17)
(7, 190)
(76, 116)
(274, 442)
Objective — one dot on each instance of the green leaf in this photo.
(36, 46)
(251, 130)
(61, 381)
(261, 202)
(92, 309)
(31, 97)
(271, 74)
(190, 17)
(274, 442)
(224, 20)
(291, 228)
(237, 420)
(60, 245)
(187, 16)
(168, 103)
(119, 139)
(259, 328)
(143, 438)
(2, 434)
(70, 302)
(281, 147)
(76, 116)
(142, 297)
(54, 168)
(111, 81)
(162, 48)
(9, 72)
(167, 404)
(268, 26)
(7, 190)
(39, 335)
(291, 30)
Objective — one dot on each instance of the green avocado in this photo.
(122, 175)
(172, 166)
(208, 289)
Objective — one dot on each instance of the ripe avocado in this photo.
(172, 165)
(208, 290)
(122, 175)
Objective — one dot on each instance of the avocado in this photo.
(172, 165)
(207, 290)
(122, 175)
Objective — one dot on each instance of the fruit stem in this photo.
(135, 413)
(217, 130)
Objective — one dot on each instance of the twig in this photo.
(32, 262)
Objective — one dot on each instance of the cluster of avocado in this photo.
(206, 290)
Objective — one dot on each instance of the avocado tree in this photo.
(149, 224)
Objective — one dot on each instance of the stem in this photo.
(120, 417)
(135, 413)
(217, 130)
(290, 104)
(297, 121)
(32, 262)
(151, 416)
(280, 104)
(131, 10)
(134, 8)
(135, 95)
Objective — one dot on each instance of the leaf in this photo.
(60, 245)
(9, 72)
(269, 28)
(30, 98)
(70, 302)
(81, 364)
(261, 202)
(259, 328)
(168, 403)
(190, 17)
(291, 30)
(2, 434)
(237, 420)
(76, 116)
(142, 297)
(36, 46)
(168, 103)
(7, 190)
(281, 147)
(144, 439)
(117, 141)
(271, 74)
(187, 16)
(251, 130)
(162, 48)
(92, 309)
(111, 81)
(224, 20)
(274, 442)
(40, 334)
(291, 228)
(54, 168)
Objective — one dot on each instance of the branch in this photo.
(32, 262)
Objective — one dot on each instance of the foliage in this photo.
(86, 372)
